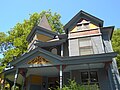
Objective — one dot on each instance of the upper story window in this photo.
(85, 46)
(83, 26)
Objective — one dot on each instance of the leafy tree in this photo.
(116, 44)
(17, 36)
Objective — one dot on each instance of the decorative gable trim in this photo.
(39, 60)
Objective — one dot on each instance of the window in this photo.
(82, 26)
(85, 46)
(89, 76)
(84, 76)
(93, 76)
(54, 50)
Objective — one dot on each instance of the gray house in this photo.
(83, 53)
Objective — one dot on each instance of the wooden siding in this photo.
(85, 33)
(73, 47)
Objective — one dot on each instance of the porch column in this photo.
(62, 50)
(15, 79)
(61, 77)
(23, 72)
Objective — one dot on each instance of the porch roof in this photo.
(58, 60)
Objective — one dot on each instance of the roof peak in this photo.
(44, 23)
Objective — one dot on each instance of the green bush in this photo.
(72, 85)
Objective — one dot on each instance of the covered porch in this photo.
(41, 70)
(43, 78)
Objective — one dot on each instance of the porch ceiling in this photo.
(84, 66)
(53, 71)
(45, 71)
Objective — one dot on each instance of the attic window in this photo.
(83, 26)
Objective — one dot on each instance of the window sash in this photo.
(86, 50)
(91, 77)
(85, 46)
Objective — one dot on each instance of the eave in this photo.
(48, 44)
(96, 58)
(109, 30)
(34, 53)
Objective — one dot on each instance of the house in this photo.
(83, 53)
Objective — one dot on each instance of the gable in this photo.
(37, 57)
(39, 60)
(83, 15)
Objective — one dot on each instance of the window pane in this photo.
(54, 51)
(85, 46)
(86, 50)
(84, 76)
(93, 76)
(85, 42)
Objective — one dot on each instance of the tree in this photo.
(17, 36)
(116, 44)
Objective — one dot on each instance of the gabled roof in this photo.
(43, 27)
(34, 53)
(40, 30)
(73, 22)
(107, 31)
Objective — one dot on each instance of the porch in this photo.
(43, 78)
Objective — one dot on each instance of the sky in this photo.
(14, 11)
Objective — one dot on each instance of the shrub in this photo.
(72, 85)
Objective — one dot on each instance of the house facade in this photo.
(83, 53)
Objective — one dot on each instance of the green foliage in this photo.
(18, 34)
(2, 37)
(116, 44)
(72, 85)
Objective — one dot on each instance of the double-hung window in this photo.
(89, 77)
(85, 46)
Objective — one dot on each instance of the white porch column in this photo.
(15, 80)
(62, 50)
(61, 72)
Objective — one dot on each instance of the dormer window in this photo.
(83, 26)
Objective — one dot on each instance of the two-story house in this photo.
(83, 53)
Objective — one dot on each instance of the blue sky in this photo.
(14, 11)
